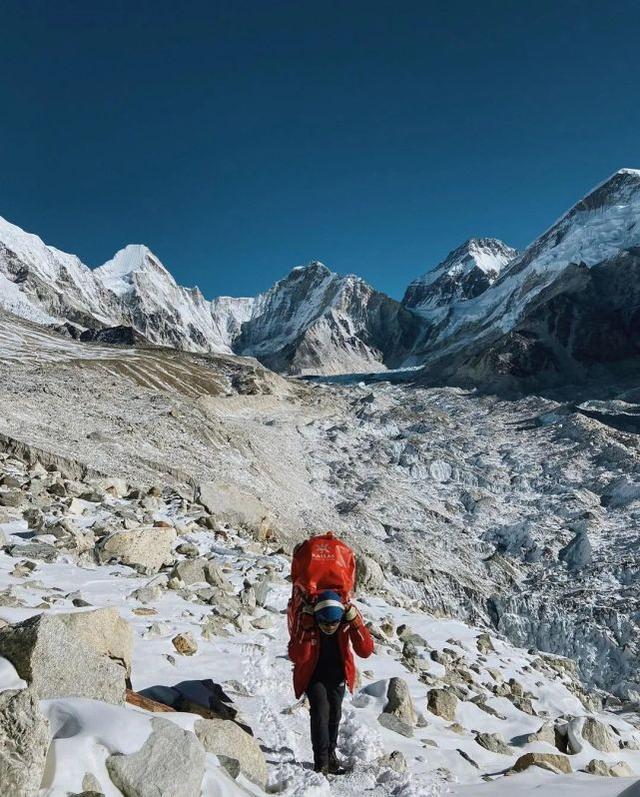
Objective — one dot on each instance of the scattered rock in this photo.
(468, 758)
(188, 549)
(554, 762)
(185, 644)
(395, 761)
(443, 704)
(226, 738)
(369, 575)
(399, 702)
(493, 742)
(545, 733)
(150, 593)
(24, 741)
(393, 723)
(619, 770)
(230, 505)
(484, 643)
(171, 763)
(247, 598)
(145, 548)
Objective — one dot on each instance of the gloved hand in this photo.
(350, 613)
(307, 618)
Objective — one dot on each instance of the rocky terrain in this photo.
(153, 484)
(142, 641)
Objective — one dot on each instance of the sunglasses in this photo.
(329, 625)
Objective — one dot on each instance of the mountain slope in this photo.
(315, 321)
(466, 272)
(133, 289)
(564, 307)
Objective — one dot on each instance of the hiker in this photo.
(321, 650)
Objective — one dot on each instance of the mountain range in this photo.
(565, 307)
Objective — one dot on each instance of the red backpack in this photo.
(319, 563)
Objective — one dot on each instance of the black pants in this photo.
(325, 702)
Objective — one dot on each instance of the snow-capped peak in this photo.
(466, 272)
(117, 274)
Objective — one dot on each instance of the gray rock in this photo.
(598, 736)
(24, 741)
(91, 784)
(190, 571)
(247, 597)
(484, 643)
(57, 663)
(188, 549)
(262, 589)
(443, 704)
(104, 631)
(147, 548)
(214, 576)
(225, 738)
(169, 764)
(545, 733)
(395, 760)
(150, 593)
(578, 553)
(493, 742)
(369, 575)
(619, 770)
(35, 550)
(393, 723)
(14, 498)
(231, 505)
(399, 702)
(263, 622)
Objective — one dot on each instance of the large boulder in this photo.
(399, 702)
(169, 764)
(554, 762)
(598, 736)
(443, 704)
(24, 741)
(57, 663)
(144, 548)
(369, 575)
(231, 505)
(225, 738)
(104, 631)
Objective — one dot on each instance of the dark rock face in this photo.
(591, 318)
(115, 336)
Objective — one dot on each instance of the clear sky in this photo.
(239, 139)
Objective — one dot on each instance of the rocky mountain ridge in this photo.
(563, 309)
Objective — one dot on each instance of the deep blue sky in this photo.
(238, 139)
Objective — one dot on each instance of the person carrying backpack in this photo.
(323, 639)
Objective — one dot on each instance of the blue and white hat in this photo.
(329, 608)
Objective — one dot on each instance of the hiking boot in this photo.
(335, 767)
(322, 768)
